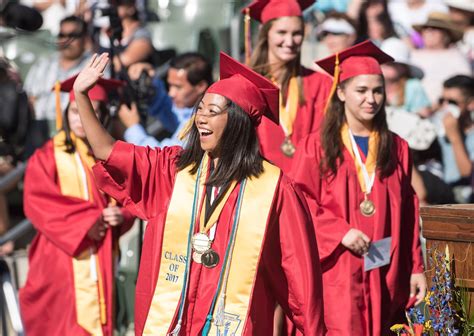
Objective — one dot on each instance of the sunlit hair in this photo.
(333, 146)
(104, 118)
(239, 153)
(259, 63)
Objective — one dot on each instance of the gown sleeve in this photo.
(411, 210)
(291, 261)
(329, 227)
(63, 220)
(136, 176)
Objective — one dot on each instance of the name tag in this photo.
(378, 254)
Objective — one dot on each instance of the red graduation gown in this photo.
(288, 270)
(316, 88)
(47, 301)
(358, 302)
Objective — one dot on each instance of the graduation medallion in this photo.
(200, 242)
(287, 147)
(210, 258)
(367, 207)
(197, 257)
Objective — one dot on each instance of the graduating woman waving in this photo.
(219, 249)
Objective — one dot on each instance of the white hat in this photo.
(465, 5)
(401, 53)
(336, 26)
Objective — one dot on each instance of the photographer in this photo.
(126, 38)
(189, 76)
(15, 119)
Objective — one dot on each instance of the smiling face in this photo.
(211, 121)
(74, 120)
(363, 97)
(284, 39)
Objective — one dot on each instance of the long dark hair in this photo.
(383, 18)
(238, 148)
(104, 118)
(332, 142)
(259, 63)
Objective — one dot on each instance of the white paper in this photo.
(378, 254)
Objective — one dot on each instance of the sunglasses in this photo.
(70, 35)
(443, 100)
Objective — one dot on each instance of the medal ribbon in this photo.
(203, 225)
(288, 112)
(365, 172)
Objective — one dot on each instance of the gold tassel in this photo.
(103, 311)
(186, 129)
(59, 115)
(335, 82)
(247, 36)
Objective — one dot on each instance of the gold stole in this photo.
(74, 181)
(256, 205)
(371, 159)
(288, 112)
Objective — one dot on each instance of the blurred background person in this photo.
(73, 256)
(126, 37)
(43, 74)
(462, 16)
(189, 75)
(407, 13)
(336, 32)
(402, 80)
(456, 134)
(439, 58)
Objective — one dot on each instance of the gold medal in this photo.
(287, 147)
(367, 207)
(210, 258)
(200, 242)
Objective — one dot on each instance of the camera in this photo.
(139, 91)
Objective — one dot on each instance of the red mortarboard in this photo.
(265, 10)
(98, 92)
(255, 94)
(362, 59)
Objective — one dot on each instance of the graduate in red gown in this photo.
(303, 92)
(228, 235)
(356, 175)
(69, 289)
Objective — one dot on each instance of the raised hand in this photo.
(91, 73)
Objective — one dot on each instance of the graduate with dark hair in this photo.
(277, 56)
(70, 284)
(356, 175)
(228, 235)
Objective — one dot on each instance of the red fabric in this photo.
(358, 302)
(47, 300)
(266, 10)
(288, 271)
(99, 92)
(254, 93)
(316, 87)
(365, 59)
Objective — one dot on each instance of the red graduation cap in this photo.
(361, 59)
(254, 93)
(98, 92)
(364, 58)
(265, 10)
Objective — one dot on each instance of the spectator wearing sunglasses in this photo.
(456, 136)
(70, 57)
